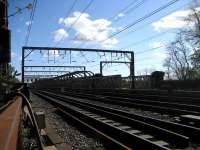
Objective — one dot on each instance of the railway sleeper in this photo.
(161, 107)
(180, 143)
(139, 134)
(131, 140)
(140, 101)
(192, 132)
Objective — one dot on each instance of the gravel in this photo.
(134, 110)
(71, 135)
(192, 146)
(79, 141)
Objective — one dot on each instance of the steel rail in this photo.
(33, 119)
(182, 106)
(171, 108)
(172, 92)
(192, 132)
(3, 107)
(10, 123)
(121, 136)
(112, 142)
(154, 96)
(171, 137)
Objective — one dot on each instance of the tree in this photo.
(7, 78)
(167, 64)
(178, 61)
(10, 75)
(183, 59)
(192, 34)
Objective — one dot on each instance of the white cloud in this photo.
(28, 23)
(60, 35)
(60, 21)
(160, 50)
(174, 20)
(156, 44)
(88, 30)
(109, 43)
(120, 15)
(161, 55)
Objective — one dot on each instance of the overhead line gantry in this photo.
(129, 54)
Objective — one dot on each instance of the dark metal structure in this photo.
(5, 34)
(26, 51)
(75, 74)
(104, 118)
(36, 74)
(33, 78)
(12, 121)
(112, 62)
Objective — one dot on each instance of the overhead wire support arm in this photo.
(57, 66)
(27, 73)
(132, 71)
(127, 53)
(76, 49)
(111, 62)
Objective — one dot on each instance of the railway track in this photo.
(169, 111)
(170, 108)
(128, 129)
(160, 96)
(16, 118)
(176, 112)
(184, 113)
(10, 115)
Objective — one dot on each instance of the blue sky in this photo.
(51, 27)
